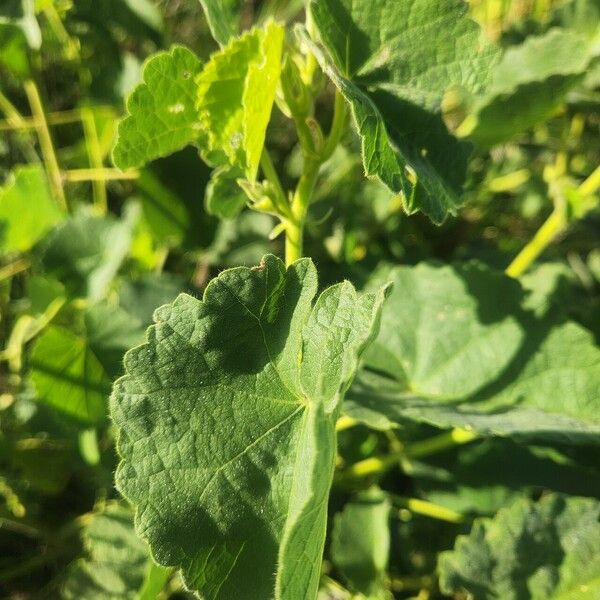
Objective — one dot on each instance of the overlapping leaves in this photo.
(226, 427)
(393, 61)
(222, 107)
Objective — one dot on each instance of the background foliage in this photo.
(89, 251)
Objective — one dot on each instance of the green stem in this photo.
(554, 224)
(14, 118)
(46, 145)
(295, 225)
(427, 509)
(95, 157)
(306, 186)
(541, 240)
(439, 443)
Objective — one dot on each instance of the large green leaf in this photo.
(226, 427)
(529, 84)
(360, 543)
(116, 560)
(393, 61)
(456, 349)
(162, 115)
(236, 91)
(27, 209)
(548, 550)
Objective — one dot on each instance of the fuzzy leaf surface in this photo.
(393, 61)
(161, 110)
(456, 349)
(235, 95)
(226, 423)
(548, 550)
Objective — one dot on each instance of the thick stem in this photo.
(306, 186)
(46, 145)
(294, 239)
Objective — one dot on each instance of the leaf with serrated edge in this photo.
(235, 95)
(393, 61)
(226, 427)
(456, 349)
(161, 110)
(549, 550)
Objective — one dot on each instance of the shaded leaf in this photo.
(86, 251)
(68, 376)
(548, 550)
(224, 197)
(528, 85)
(227, 437)
(116, 559)
(456, 349)
(394, 70)
(360, 543)
(72, 370)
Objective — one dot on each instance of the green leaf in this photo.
(14, 56)
(162, 117)
(528, 85)
(223, 18)
(27, 209)
(242, 241)
(226, 427)
(235, 95)
(68, 375)
(360, 543)
(86, 251)
(72, 370)
(548, 550)
(116, 559)
(224, 197)
(394, 68)
(457, 349)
